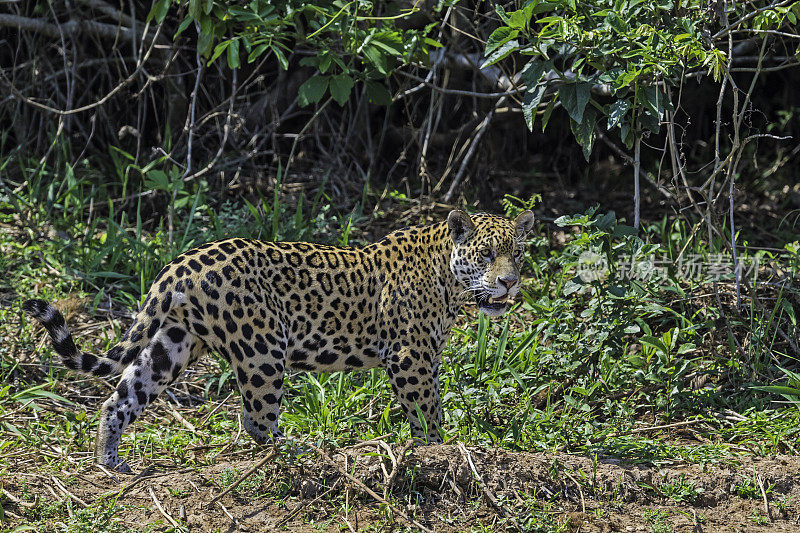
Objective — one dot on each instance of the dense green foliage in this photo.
(417, 86)
(347, 41)
(627, 51)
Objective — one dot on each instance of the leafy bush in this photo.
(347, 42)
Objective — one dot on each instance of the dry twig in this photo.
(63, 489)
(580, 490)
(185, 423)
(162, 511)
(764, 496)
(16, 500)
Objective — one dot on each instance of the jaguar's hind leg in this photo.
(158, 365)
(262, 390)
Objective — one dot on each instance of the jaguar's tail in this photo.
(75, 359)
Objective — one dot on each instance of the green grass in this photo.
(252, 486)
(758, 518)
(99, 517)
(580, 365)
(536, 514)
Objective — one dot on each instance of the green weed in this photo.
(749, 487)
(540, 516)
(657, 520)
(102, 516)
(253, 486)
(758, 518)
(680, 490)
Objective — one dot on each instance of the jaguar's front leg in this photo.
(414, 377)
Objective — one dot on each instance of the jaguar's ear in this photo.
(460, 224)
(524, 222)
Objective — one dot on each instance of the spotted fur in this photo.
(266, 307)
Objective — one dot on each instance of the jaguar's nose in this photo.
(507, 281)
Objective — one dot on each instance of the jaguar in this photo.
(267, 307)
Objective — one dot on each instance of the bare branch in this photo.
(101, 101)
(72, 27)
(109, 10)
(730, 27)
(484, 125)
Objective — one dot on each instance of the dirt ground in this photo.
(440, 488)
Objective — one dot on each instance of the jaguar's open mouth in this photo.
(492, 305)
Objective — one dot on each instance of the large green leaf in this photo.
(627, 77)
(547, 112)
(654, 342)
(531, 75)
(378, 94)
(584, 131)
(654, 102)
(205, 41)
(499, 37)
(279, 55)
(195, 9)
(790, 393)
(233, 54)
(533, 71)
(616, 112)
(501, 12)
(341, 85)
(614, 21)
(377, 58)
(519, 19)
(530, 103)
(390, 42)
(501, 53)
(574, 97)
(312, 90)
(159, 11)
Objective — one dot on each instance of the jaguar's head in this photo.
(486, 256)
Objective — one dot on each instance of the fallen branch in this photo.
(14, 499)
(227, 513)
(185, 423)
(580, 490)
(63, 489)
(388, 449)
(396, 466)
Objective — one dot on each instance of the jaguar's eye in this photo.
(487, 254)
